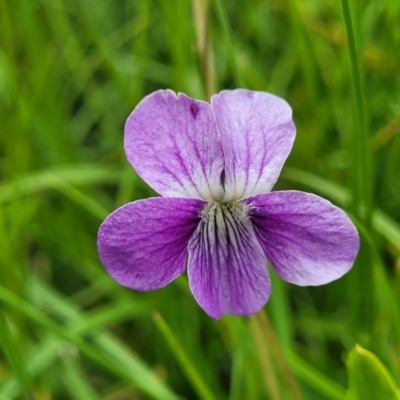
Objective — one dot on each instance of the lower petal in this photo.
(143, 245)
(308, 240)
(226, 266)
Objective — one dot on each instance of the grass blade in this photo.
(188, 368)
(14, 357)
(112, 357)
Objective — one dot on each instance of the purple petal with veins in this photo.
(227, 267)
(143, 245)
(257, 134)
(308, 240)
(173, 143)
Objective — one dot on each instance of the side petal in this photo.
(143, 245)
(227, 268)
(308, 240)
(257, 134)
(172, 142)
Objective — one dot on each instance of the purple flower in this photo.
(216, 165)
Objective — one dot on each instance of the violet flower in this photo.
(215, 165)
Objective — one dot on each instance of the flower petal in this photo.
(257, 134)
(172, 142)
(227, 268)
(308, 240)
(143, 245)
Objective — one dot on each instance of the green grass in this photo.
(70, 74)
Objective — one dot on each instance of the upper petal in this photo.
(143, 245)
(308, 240)
(172, 142)
(226, 266)
(257, 133)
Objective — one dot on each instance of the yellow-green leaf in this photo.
(368, 377)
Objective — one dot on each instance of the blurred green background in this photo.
(70, 74)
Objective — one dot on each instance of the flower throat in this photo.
(234, 209)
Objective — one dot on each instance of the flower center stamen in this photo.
(237, 210)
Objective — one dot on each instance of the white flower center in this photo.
(234, 209)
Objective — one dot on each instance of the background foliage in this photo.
(70, 74)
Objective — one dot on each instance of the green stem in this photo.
(223, 20)
(188, 368)
(14, 357)
(360, 283)
(362, 174)
(307, 373)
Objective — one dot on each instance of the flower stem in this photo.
(204, 46)
(223, 20)
(361, 285)
(270, 381)
(188, 368)
(362, 172)
(268, 348)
